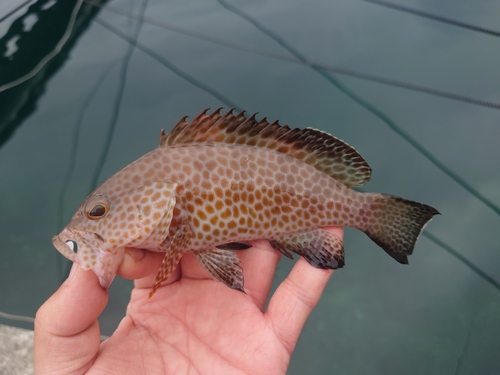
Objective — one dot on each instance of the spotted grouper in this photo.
(219, 181)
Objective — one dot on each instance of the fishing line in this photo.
(434, 17)
(408, 86)
(118, 101)
(304, 62)
(174, 69)
(19, 318)
(463, 259)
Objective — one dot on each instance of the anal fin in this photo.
(320, 248)
(223, 265)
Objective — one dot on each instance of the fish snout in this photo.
(65, 247)
(86, 249)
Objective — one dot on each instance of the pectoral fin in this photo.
(173, 254)
(320, 248)
(223, 265)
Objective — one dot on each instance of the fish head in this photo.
(102, 227)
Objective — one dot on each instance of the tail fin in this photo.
(395, 224)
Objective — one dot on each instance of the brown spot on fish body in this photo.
(219, 205)
(196, 178)
(244, 196)
(226, 214)
(236, 212)
(196, 221)
(243, 209)
(160, 205)
(201, 215)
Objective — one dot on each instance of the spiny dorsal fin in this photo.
(314, 147)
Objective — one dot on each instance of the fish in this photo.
(222, 180)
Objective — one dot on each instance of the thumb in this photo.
(67, 335)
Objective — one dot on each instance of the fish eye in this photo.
(97, 211)
(72, 245)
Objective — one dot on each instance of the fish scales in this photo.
(231, 193)
(221, 180)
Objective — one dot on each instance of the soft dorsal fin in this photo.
(314, 147)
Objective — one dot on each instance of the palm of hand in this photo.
(196, 325)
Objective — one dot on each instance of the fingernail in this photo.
(74, 267)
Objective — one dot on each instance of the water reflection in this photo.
(35, 47)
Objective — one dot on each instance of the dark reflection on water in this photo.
(32, 51)
(115, 84)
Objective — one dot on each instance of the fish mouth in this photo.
(82, 248)
(67, 248)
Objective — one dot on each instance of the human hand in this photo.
(192, 325)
